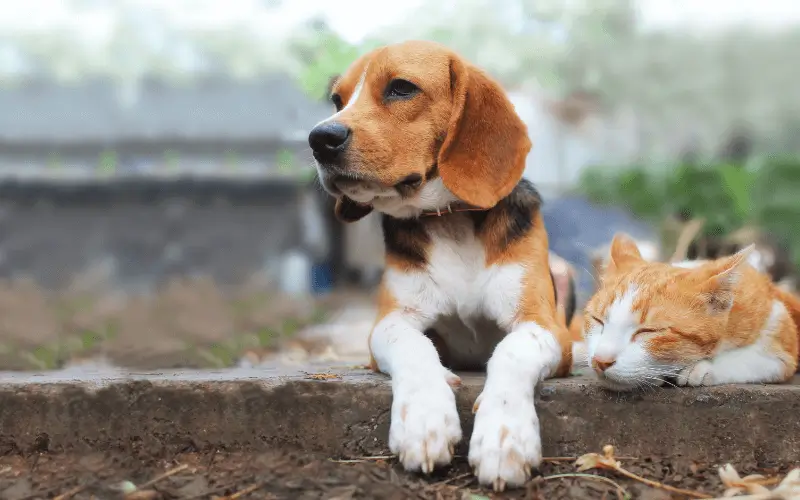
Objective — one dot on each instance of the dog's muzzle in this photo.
(329, 141)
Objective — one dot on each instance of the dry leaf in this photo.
(322, 376)
(596, 461)
(754, 485)
(142, 495)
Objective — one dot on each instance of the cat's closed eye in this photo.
(642, 331)
(597, 320)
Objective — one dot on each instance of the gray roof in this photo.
(271, 109)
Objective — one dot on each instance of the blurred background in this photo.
(158, 205)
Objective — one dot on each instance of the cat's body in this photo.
(698, 323)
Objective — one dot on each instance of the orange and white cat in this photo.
(695, 323)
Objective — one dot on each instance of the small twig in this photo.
(656, 484)
(572, 459)
(210, 462)
(362, 459)
(163, 476)
(452, 479)
(687, 235)
(609, 462)
(621, 492)
(246, 491)
(71, 493)
(768, 481)
(207, 493)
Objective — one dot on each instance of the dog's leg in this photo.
(424, 420)
(505, 442)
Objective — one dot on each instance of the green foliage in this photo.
(285, 160)
(45, 357)
(643, 191)
(720, 194)
(324, 54)
(231, 161)
(54, 162)
(727, 196)
(171, 158)
(703, 191)
(776, 200)
(108, 162)
(738, 182)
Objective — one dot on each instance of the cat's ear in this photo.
(718, 279)
(624, 254)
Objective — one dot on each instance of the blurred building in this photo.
(570, 135)
(131, 186)
(204, 127)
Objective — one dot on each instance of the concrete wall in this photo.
(163, 156)
(134, 234)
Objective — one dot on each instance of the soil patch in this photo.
(295, 475)
(188, 323)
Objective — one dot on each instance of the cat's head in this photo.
(648, 320)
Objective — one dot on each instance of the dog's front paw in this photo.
(425, 426)
(505, 442)
(697, 374)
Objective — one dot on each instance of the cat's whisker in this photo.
(594, 278)
(644, 385)
(645, 381)
(659, 379)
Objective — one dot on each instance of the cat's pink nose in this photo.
(602, 364)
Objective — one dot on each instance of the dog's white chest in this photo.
(469, 304)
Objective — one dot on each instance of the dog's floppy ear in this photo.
(483, 155)
(347, 210)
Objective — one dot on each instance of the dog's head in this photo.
(417, 128)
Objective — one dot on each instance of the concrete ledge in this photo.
(251, 410)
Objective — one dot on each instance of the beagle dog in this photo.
(433, 144)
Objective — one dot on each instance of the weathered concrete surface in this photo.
(251, 410)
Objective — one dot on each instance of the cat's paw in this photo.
(696, 375)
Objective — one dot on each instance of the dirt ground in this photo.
(292, 475)
(188, 323)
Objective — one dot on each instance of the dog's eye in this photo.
(336, 99)
(412, 180)
(400, 89)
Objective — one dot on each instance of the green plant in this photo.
(738, 182)
(704, 191)
(285, 160)
(327, 55)
(108, 162)
(171, 160)
(776, 200)
(231, 161)
(634, 187)
(727, 196)
(54, 162)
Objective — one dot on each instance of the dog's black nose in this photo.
(328, 140)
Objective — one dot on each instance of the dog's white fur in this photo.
(458, 289)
